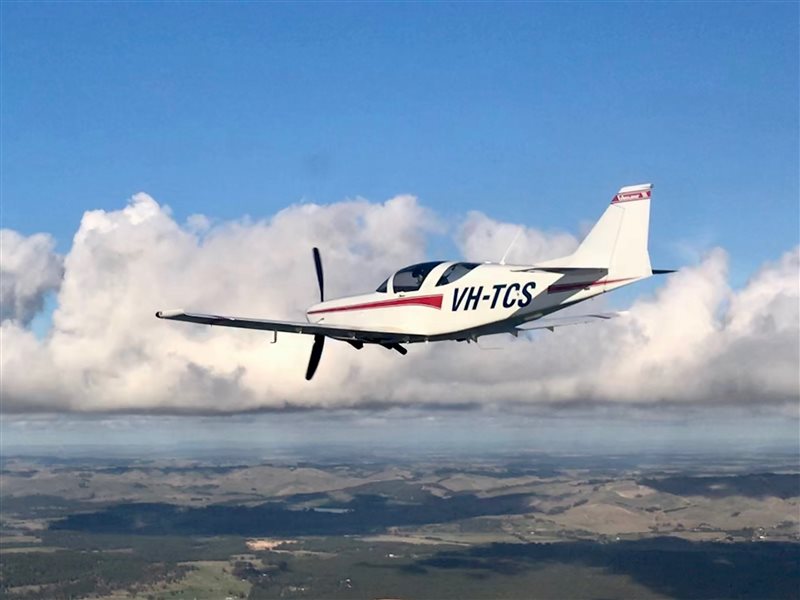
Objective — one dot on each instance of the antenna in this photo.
(511, 245)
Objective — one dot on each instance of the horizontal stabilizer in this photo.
(664, 271)
(582, 271)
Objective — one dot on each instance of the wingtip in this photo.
(166, 314)
(633, 192)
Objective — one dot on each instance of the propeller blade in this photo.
(316, 354)
(318, 265)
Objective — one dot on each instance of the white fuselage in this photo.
(490, 296)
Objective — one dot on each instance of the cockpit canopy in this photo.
(455, 271)
(411, 278)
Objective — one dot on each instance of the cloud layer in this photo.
(29, 269)
(695, 342)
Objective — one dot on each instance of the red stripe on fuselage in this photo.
(566, 287)
(431, 301)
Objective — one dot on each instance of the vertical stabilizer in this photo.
(618, 241)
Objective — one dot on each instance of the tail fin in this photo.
(618, 241)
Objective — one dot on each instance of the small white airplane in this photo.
(462, 301)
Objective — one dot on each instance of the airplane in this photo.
(455, 300)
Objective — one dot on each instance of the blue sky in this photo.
(532, 113)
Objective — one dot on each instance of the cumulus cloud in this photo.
(29, 270)
(695, 342)
(482, 238)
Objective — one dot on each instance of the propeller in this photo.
(316, 354)
(318, 265)
(319, 340)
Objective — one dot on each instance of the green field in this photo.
(493, 528)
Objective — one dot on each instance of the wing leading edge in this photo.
(341, 333)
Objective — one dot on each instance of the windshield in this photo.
(410, 279)
(455, 272)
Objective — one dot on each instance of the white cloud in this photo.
(482, 238)
(29, 270)
(695, 342)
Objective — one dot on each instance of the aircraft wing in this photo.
(365, 335)
(552, 322)
(342, 333)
